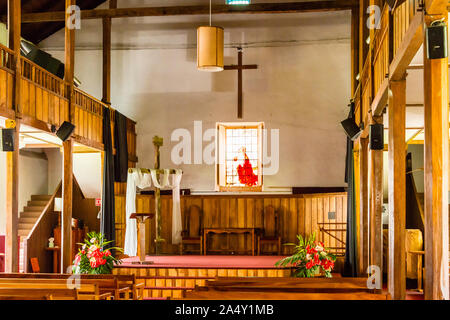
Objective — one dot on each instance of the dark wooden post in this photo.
(107, 28)
(67, 175)
(376, 205)
(397, 190)
(12, 158)
(364, 206)
(436, 168)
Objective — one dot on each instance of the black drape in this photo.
(350, 265)
(120, 143)
(108, 214)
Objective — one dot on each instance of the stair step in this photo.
(41, 197)
(156, 298)
(25, 226)
(30, 214)
(23, 233)
(37, 203)
(27, 220)
(34, 208)
(176, 277)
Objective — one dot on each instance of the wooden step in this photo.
(27, 220)
(34, 208)
(41, 197)
(30, 214)
(25, 226)
(23, 233)
(37, 203)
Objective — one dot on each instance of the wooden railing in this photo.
(37, 240)
(6, 58)
(381, 57)
(88, 119)
(43, 96)
(357, 101)
(6, 78)
(402, 15)
(366, 88)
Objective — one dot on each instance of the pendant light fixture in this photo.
(210, 46)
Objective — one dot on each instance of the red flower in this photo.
(93, 262)
(316, 259)
(309, 265)
(77, 259)
(83, 251)
(107, 253)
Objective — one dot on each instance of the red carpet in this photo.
(210, 261)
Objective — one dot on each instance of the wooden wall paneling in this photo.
(45, 108)
(32, 100)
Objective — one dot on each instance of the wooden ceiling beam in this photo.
(288, 7)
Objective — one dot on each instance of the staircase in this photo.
(27, 219)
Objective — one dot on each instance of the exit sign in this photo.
(98, 202)
(238, 2)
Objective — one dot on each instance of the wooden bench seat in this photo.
(124, 286)
(57, 291)
(213, 294)
(330, 285)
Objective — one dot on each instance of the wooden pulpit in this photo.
(140, 218)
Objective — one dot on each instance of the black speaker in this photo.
(436, 37)
(65, 130)
(351, 128)
(376, 136)
(7, 139)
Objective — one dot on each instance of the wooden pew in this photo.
(123, 281)
(213, 294)
(311, 285)
(106, 286)
(57, 291)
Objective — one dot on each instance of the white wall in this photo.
(33, 178)
(87, 170)
(302, 86)
(54, 157)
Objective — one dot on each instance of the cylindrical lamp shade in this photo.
(210, 49)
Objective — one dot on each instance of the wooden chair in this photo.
(192, 229)
(270, 234)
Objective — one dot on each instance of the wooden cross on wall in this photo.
(239, 67)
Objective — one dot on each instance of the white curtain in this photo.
(137, 179)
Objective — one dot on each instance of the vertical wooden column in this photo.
(376, 205)
(107, 27)
(364, 206)
(12, 158)
(354, 47)
(67, 174)
(14, 29)
(397, 190)
(67, 196)
(12, 205)
(436, 159)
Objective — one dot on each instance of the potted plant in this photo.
(93, 257)
(310, 258)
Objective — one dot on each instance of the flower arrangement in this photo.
(93, 258)
(310, 258)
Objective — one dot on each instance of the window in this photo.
(239, 166)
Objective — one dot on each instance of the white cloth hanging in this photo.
(137, 179)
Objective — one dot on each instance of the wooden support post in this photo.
(107, 27)
(69, 55)
(157, 143)
(12, 158)
(376, 206)
(436, 284)
(67, 197)
(363, 247)
(67, 174)
(14, 28)
(354, 47)
(12, 205)
(397, 190)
